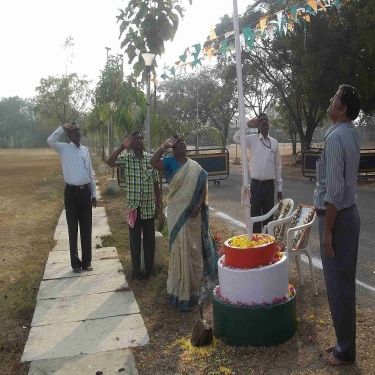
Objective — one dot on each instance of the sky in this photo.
(32, 35)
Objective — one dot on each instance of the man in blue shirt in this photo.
(335, 202)
(80, 192)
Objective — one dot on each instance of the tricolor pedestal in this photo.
(254, 325)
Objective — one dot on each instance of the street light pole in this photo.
(148, 58)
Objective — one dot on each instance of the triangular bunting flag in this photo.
(313, 5)
(223, 47)
(163, 76)
(293, 11)
(249, 36)
(197, 47)
(263, 23)
(173, 71)
(196, 62)
(213, 34)
(195, 55)
(183, 57)
(228, 34)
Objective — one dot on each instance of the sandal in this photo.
(331, 360)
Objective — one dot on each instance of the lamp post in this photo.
(148, 58)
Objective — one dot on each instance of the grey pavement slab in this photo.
(97, 254)
(63, 270)
(98, 211)
(113, 362)
(63, 244)
(100, 227)
(76, 308)
(77, 286)
(86, 337)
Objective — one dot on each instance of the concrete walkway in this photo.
(84, 323)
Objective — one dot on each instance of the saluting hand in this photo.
(127, 141)
(169, 143)
(66, 126)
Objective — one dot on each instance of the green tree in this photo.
(118, 106)
(208, 96)
(60, 100)
(17, 124)
(147, 25)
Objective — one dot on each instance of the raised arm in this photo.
(155, 160)
(52, 140)
(252, 123)
(126, 143)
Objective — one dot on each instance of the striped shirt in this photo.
(75, 161)
(337, 168)
(139, 178)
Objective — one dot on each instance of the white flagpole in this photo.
(245, 191)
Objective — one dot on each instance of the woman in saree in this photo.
(192, 252)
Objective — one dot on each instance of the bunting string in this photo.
(281, 22)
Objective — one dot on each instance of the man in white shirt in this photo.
(80, 192)
(265, 168)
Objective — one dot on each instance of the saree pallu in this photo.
(191, 253)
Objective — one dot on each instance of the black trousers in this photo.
(147, 226)
(339, 275)
(262, 200)
(78, 208)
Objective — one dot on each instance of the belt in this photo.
(262, 182)
(78, 187)
(320, 212)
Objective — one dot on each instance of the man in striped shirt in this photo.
(335, 202)
(142, 191)
(80, 192)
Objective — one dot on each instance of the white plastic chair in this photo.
(283, 218)
(297, 241)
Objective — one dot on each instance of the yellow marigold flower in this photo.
(244, 240)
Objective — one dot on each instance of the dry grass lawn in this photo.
(31, 200)
(170, 351)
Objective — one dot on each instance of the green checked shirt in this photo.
(140, 178)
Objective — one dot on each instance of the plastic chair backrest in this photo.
(284, 210)
(304, 216)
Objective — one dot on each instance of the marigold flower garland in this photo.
(276, 300)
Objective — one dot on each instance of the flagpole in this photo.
(245, 191)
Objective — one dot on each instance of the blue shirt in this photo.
(337, 168)
(171, 166)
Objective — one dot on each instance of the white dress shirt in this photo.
(75, 161)
(265, 161)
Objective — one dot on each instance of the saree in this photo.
(192, 252)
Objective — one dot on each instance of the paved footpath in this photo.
(84, 323)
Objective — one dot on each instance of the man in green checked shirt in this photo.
(143, 200)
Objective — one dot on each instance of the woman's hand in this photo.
(195, 211)
(169, 143)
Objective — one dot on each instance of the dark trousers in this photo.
(147, 226)
(339, 275)
(78, 208)
(262, 200)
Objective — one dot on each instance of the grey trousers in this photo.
(339, 275)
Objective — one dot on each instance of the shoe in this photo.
(88, 268)
(77, 270)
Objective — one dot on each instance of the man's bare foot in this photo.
(331, 360)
